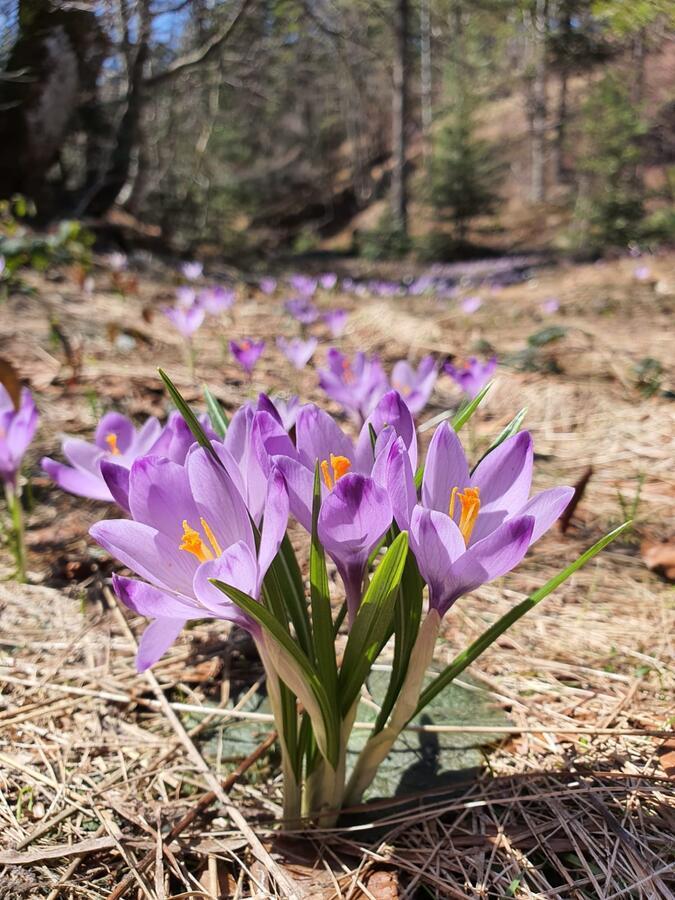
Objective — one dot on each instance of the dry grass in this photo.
(577, 800)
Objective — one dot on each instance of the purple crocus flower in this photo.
(185, 296)
(471, 304)
(17, 428)
(247, 353)
(303, 284)
(297, 351)
(550, 306)
(642, 273)
(192, 270)
(187, 321)
(336, 320)
(267, 285)
(473, 375)
(328, 281)
(117, 261)
(415, 386)
(284, 410)
(189, 524)
(302, 310)
(215, 300)
(117, 442)
(356, 384)
(469, 528)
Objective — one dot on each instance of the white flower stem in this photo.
(379, 745)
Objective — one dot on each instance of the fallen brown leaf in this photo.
(659, 557)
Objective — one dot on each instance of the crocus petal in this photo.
(446, 467)
(504, 478)
(146, 436)
(83, 455)
(437, 544)
(274, 523)
(390, 410)
(146, 551)
(490, 558)
(160, 496)
(218, 500)
(117, 424)
(545, 507)
(117, 479)
(300, 486)
(76, 481)
(401, 484)
(146, 600)
(237, 567)
(156, 640)
(317, 435)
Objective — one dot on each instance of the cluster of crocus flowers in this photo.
(206, 537)
(18, 423)
(473, 375)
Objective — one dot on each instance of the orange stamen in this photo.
(111, 441)
(192, 542)
(339, 466)
(470, 507)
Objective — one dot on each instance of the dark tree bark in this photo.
(52, 68)
(399, 187)
(539, 103)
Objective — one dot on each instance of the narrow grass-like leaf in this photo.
(466, 657)
(407, 616)
(217, 414)
(191, 420)
(268, 621)
(285, 575)
(372, 622)
(512, 428)
(465, 413)
(322, 619)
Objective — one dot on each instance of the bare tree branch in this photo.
(203, 53)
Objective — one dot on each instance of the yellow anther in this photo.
(469, 502)
(111, 441)
(192, 542)
(339, 466)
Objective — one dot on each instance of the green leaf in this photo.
(322, 619)
(407, 616)
(547, 336)
(512, 428)
(268, 621)
(466, 657)
(190, 418)
(467, 411)
(217, 414)
(372, 623)
(288, 580)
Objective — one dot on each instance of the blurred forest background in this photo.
(437, 128)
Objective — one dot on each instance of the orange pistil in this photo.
(339, 466)
(111, 441)
(470, 507)
(348, 375)
(193, 543)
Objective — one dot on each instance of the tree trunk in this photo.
(426, 84)
(399, 193)
(539, 104)
(559, 167)
(54, 62)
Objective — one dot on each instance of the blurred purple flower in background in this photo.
(17, 429)
(297, 351)
(185, 296)
(471, 304)
(267, 285)
(187, 321)
(642, 273)
(356, 384)
(473, 375)
(550, 305)
(118, 442)
(117, 261)
(192, 270)
(336, 320)
(415, 386)
(303, 284)
(215, 300)
(247, 352)
(302, 310)
(328, 281)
